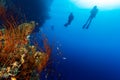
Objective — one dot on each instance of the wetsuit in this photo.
(70, 19)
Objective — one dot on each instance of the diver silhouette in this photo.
(70, 19)
(93, 14)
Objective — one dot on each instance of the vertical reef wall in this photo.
(19, 59)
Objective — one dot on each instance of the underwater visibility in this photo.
(59, 40)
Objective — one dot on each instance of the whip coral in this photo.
(18, 59)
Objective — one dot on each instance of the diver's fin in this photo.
(66, 24)
(83, 26)
(87, 26)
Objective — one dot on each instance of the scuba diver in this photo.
(70, 19)
(93, 14)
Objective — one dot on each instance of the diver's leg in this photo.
(84, 26)
(89, 23)
(68, 23)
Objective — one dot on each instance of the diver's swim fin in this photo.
(83, 26)
(87, 26)
(66, 24)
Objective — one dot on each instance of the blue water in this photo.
(92, 54)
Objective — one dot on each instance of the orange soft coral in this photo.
(17, 55)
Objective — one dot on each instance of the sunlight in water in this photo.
(102, 4)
